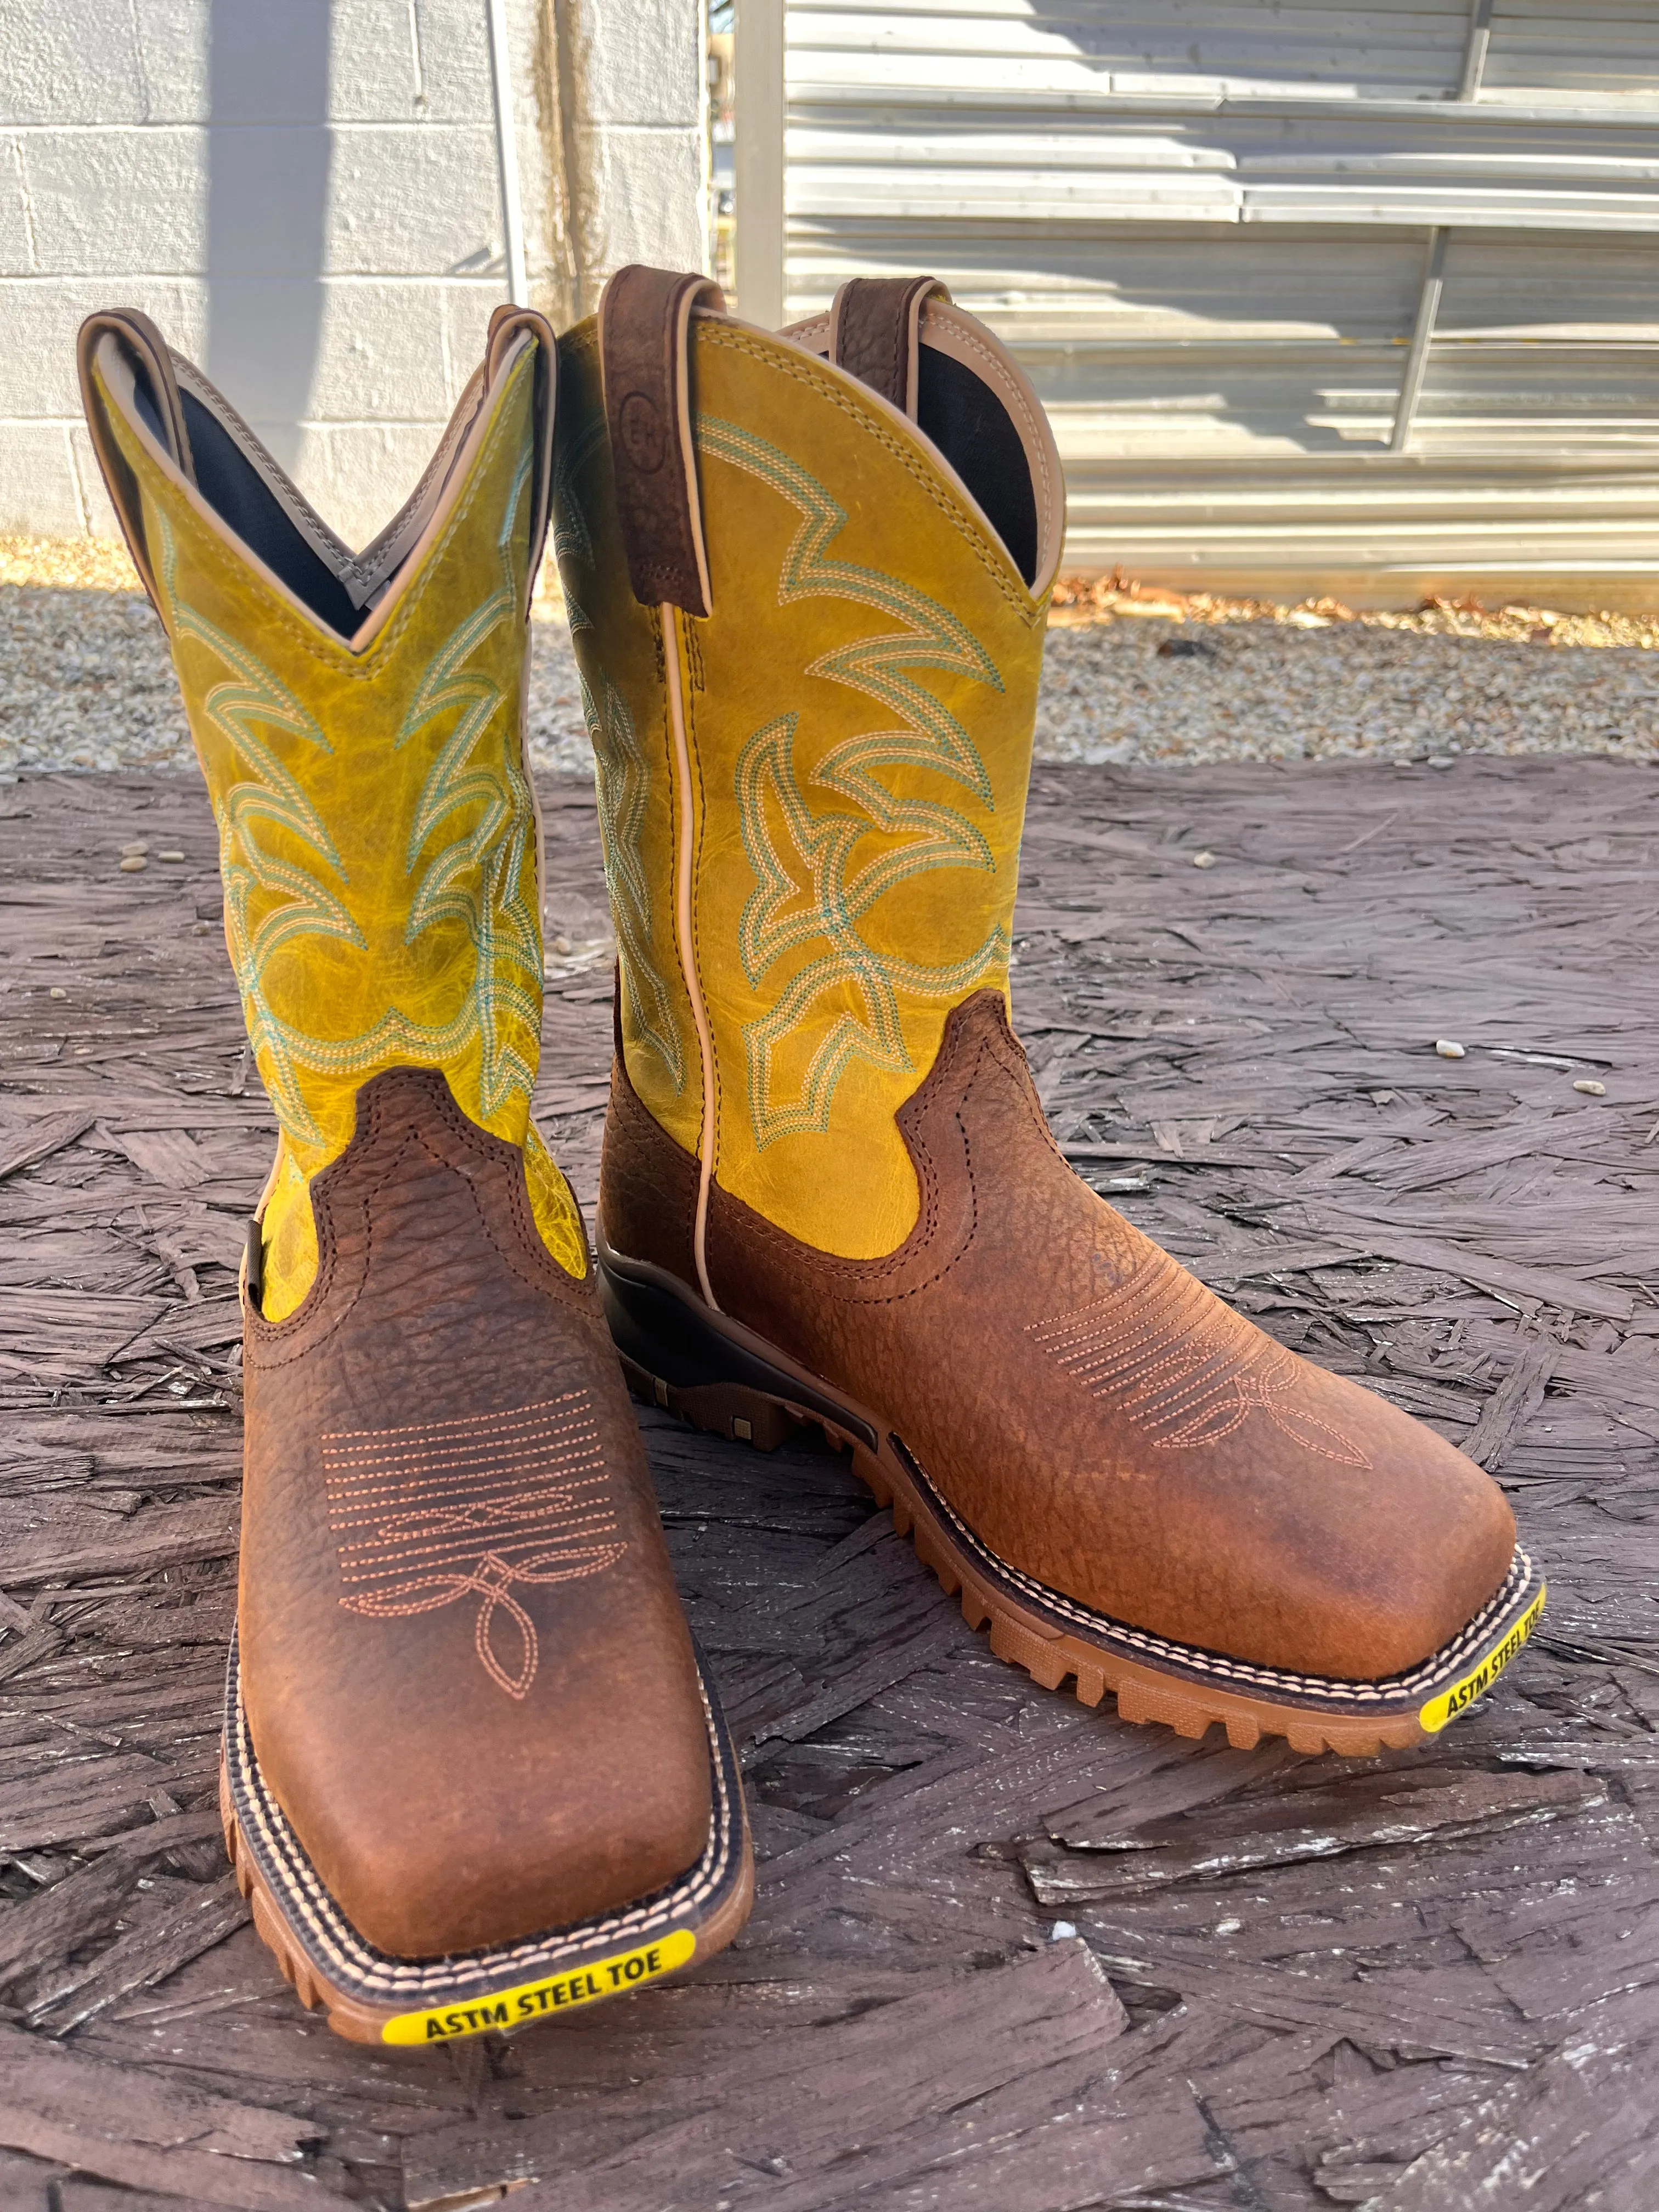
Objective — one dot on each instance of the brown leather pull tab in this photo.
(875, 329)
(147, 355)
(507, 325)
(644, 322)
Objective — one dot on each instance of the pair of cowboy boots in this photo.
(474, 1769)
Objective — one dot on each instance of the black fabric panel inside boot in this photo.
(236, 491)
(974, 431)
(149, 413)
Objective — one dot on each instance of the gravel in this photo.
(1135, 677)
(1265, 691)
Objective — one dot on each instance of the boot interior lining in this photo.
(975, 432)
(260, 506)
(257, 499)
(243, 497)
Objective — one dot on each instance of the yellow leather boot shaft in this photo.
(857, 711)
(378, 836)
(619, 659)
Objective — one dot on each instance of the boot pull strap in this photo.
(150, 358)
(506, 325)
(645, 324)
(875, 331)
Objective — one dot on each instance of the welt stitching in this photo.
(306, 1894)
(388, 1974)
(1333, 1688)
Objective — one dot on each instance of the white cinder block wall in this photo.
(306, 195)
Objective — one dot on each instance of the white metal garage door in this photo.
(1364, 298)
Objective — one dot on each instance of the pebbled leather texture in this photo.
(874, 333)
(468, 1679)
(1099, 1418)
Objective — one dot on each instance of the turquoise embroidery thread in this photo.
(774, 920)
(478, 876)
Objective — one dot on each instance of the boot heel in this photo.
(706, 1368)
(672, 1362)
(724, 1409)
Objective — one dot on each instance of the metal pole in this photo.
(759, 161)
(518, 285)
(1417, 360)
(1475, 53)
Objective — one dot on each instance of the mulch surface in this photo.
(1008, 1955)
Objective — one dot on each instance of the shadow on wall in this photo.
(269, 151)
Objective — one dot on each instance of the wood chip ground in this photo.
(1008, 1955)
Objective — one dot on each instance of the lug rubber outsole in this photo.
(712, 1371)
(370, 1998)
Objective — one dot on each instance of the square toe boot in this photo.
(474, 1769)
(808, 576)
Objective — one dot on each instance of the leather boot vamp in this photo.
(467, 1677)
(1100, 1420)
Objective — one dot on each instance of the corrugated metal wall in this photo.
(1359, 298)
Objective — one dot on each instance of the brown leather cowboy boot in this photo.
(808, 578)
(474, 1771)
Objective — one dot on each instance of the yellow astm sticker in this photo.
(1438, 1711)
(601, 1977)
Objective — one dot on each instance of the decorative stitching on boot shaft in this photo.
(785, 361)
(482, 876)
(621, 782)
(814, 894)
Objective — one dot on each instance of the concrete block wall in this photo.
(306, 195)
(633, 87)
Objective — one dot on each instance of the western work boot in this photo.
(807, 576)
(474, 1771)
